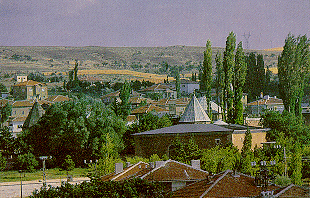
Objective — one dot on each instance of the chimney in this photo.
(159, 164)
(152, 164)
(128, 164)
(195, 164)
(118, 168)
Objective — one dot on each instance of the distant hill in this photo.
(141, 59)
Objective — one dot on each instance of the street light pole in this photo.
(43, 158)
(21, 184)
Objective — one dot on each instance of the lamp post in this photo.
(263, 175)
(21, 183)
(91, 162)
(43, 158)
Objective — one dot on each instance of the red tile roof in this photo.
(148, 108)
(58, 98)
(23, 103)
(155, 87)
(29, 83)
(228, 184)
(175, 171)
(269, 101)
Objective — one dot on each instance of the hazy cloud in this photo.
(150, 22)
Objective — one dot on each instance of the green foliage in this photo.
(2, 162)
(177, 84)
(293, 65)
(5, 113)
(247, 143)
(3, 88)
(219, 159)
(108, 157)
(68, 164)
(282, 180)
(7, 141)
(26, 162)
(125, 92)
(296, 165)
(206, 73)
(110, 189)
(286, 123)
(219, 79)
(77, 128)
(184, 151)
(239, 75)
(228, 65)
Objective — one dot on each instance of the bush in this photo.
(68, 164)
(283, 180)
(26, 162)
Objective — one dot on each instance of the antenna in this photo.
(246, 36)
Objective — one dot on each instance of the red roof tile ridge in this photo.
(142, 177)
(219, 179)
(189, 166)
(284, 190)
(131, 167)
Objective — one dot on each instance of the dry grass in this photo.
(137, 75)
(275, 49)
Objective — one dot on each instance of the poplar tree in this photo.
(228, 65)
(219, 79)
(177, 84)
(260, 74)
(125, 92)
(206, 75)
(293, 65)
(238, 83)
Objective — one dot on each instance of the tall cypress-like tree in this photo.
(219, 79)
(124, 96)
(228, 65)
(238, 83)
(260, 74)
(206, 75)
(293, 64)
(177, 84)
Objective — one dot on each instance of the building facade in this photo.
(29, 90)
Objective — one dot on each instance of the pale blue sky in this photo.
(150, 22)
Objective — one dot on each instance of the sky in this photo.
(151, 23)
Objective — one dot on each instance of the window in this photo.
(14, 112)
(217, 141)
(23, 112)
(20, 126)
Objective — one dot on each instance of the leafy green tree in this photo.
(219, 159)
(26, 162)
(293, 65)
(238, 83)
(177, 84)
(219, 79)
(185, 151)
(296, 165)
(228, 65)
(3, 88)
(2, 162)
(5, 113)
(206, 74)
(108, 157)
(68, 164)
(125, 92)
(247, 142)
(7, 141)
(76, 128)
(96, 188)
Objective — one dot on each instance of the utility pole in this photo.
(246, 37)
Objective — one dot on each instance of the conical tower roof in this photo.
(34, 115)
(194, 113)
(203, 102)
